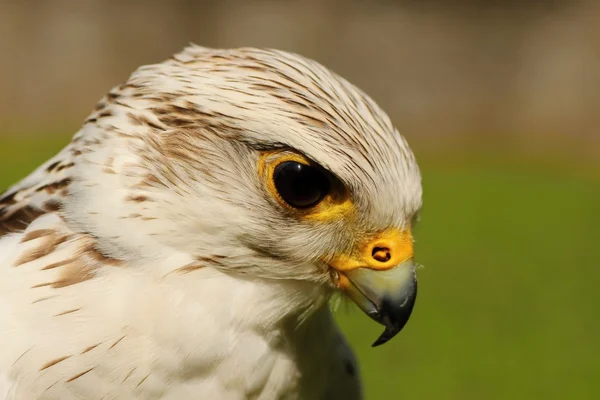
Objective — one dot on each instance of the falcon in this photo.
(186, 243)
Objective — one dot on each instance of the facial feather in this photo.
(168, 161)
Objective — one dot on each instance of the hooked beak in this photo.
(386, 296)
(381, 279)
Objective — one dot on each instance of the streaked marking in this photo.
(90, 348)
(53, 362)
(22, 355)
(117, 342)
(67, 312)
(128, 374)
(79, 375)
(142, 381)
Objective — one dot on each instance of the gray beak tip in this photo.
(386, 296)
(394, 317)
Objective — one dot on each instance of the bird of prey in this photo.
(185, 244)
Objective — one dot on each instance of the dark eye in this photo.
(299, 185)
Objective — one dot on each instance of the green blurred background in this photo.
(500, 101)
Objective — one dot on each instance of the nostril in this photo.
(381, 254)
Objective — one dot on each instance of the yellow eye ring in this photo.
(333, 203)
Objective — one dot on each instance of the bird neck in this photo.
(259, 303)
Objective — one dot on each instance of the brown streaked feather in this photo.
(58, 264)
(142, 380)
(81, 264)
(39, 193)
(189, 268)
(79, 375)
(36, 234)
(53, 362)
(116, 342)
(67, 312)
(51, 240)
(18, 220)
(131, 371)
(90, 348)
(43, 299)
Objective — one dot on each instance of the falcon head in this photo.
(261, 164)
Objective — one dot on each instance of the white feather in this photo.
(168, 272)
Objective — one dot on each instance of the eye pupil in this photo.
(300, 185)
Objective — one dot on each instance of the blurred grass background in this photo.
(500, 102)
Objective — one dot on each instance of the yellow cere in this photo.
(383, 251)
(336, 205)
